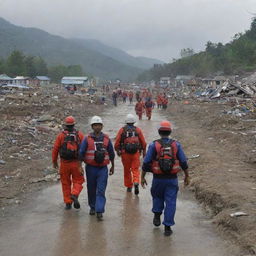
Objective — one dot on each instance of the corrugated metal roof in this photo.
(79, 78)
(21, 78)
(43, 78)
(4, 77)
(73, 82)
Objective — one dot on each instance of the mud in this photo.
(42, 227)
(223, 177)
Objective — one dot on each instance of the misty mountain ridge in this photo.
(95, 57)
(117, 54)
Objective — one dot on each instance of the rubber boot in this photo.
(99, 216)
(136, 189)
(68, 206)
(167, 230)
(129, 190)
(157, 219)
(92, 212)
(76, 202)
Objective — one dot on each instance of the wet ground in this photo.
(42, 227)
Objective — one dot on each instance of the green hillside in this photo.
(117, 54)
(56, 50)
(235, 57)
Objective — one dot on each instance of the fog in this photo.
(151, 28)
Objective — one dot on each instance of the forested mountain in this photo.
(56, 50)
(117, 54)
(235, 57)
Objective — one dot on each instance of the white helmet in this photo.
(130, 119)
(96, 120)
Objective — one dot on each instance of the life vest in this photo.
(96, 153)
(130, 142)
(139, 106)
(166, 161)
(149, 104)
(70, 146)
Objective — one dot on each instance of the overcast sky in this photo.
(151, 28)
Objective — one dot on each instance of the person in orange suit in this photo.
(129, 144)
(149, 104)
(139, 108)
(159, 101)
(130, 96)
(67, 146)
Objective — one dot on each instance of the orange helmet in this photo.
(165, 126)
(70, 120)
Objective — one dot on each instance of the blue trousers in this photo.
(97, 179)
(164, 194)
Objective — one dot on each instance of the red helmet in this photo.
(70, 120)
(165, 126)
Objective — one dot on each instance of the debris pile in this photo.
(30, 120)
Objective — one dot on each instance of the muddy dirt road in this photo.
(43, 227)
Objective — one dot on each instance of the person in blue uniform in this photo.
(97, 152)
(164, 158)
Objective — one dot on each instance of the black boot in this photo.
(167, 230)
(136, 189)
(76, 202)
(99, 216)
(68, 206)
(157, 219)
(129, 190)
(92, 212)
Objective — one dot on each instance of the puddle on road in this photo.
(44, 228)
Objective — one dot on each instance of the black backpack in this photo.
(148, 104)
(166, 159)
(130, 140)
(70, 147)
(100, 151)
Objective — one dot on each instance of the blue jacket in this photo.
(84, 146)
(151, 155)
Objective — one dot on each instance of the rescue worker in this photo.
(149, 104)
(130, 96)
(124, 96)
(67, 146)
(164, 102)
(164, 158)
(129, 144)
(159, 101)
(114, 97)
(137, 95)
(139, 108)
(97, 152)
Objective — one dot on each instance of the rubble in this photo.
(30, 120)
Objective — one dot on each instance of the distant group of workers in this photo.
(144, 98)
(164, 158)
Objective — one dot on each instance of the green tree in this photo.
(30, 66)
(186, 52)
(57, 72)
(15, 64)
(41, 68)
(2, 66)
(75, 70)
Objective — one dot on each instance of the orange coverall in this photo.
(149, 109)
(139, 108)
(131, 162)
(71, 178)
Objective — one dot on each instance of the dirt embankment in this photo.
(29, 124)
(224, 175)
